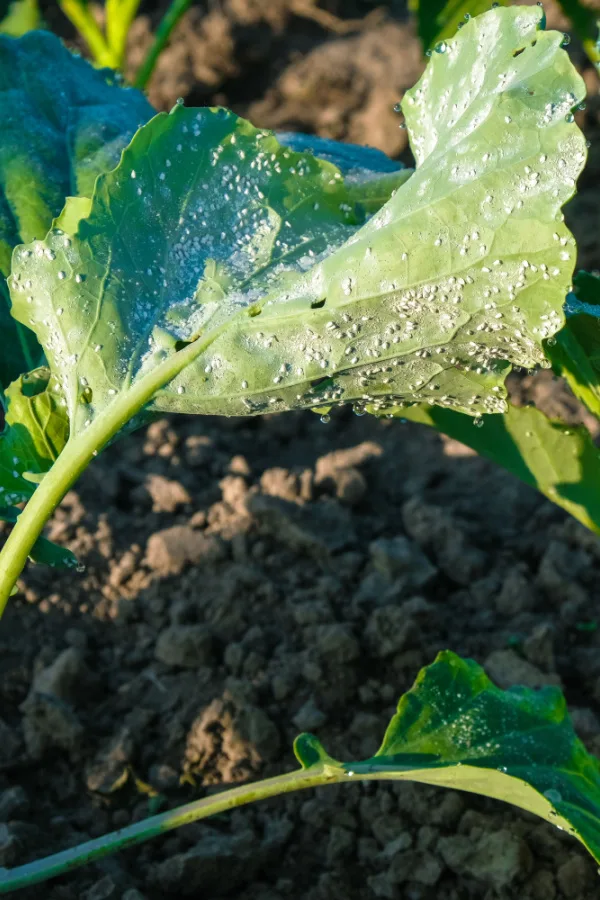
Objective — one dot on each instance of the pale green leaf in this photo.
(36, 430)
(209, 228)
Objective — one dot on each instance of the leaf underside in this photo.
(208, 227)
(455, 729)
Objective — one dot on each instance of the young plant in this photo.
(453, 729)
(109, 45)
(212, 269)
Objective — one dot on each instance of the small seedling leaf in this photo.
(456, 729)
(36, 430)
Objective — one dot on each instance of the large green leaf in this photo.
(35, 432)
(454, 728)
(208, 227)
(559, 460)
(63, 122)
(575, 351)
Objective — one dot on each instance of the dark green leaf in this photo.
(585, 23)
(454, 728)
(44, 552)
(559, 460)
(63, 122)
(575, 350)
(440, 19)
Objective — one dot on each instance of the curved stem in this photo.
(163, 33)
(58, 863)
(77, 455)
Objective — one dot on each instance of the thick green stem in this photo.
(43, 869)
(78, 453)
(163, 33)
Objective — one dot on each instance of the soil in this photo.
(248, 579)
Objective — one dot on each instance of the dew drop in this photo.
(566, 40)
(441, 47)
(325, 419)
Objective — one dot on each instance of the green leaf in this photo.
(36, 430)
(439, 19)
(43, 552)
(575, 351)
(455, 729)
(210, 229)
(63, 122)
(560, 460)
(585, 23)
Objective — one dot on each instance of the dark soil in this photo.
(248, 579)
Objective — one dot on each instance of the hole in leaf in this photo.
(318, 304)
(518, 52)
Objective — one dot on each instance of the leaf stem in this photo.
(119, 16)
(65, 861)
(78, 453)
(170, 19)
